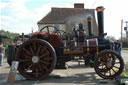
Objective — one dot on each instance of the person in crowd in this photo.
(75, 34)
(81, 30)
(2, 52)
(112, 45)
(118, 47)
(6, 47)
(55, 29)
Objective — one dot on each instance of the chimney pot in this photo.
(79, 5)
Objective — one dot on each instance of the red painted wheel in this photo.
(36, 58)
(108, 64)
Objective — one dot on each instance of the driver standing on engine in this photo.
(81, 33)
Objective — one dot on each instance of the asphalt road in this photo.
(74, 75)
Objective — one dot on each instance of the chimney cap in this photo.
(100, 8)
(78, 5)
(89, 18)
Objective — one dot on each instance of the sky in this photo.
(22, 15)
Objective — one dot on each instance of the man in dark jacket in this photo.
(118, 47)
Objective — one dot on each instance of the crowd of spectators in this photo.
(117, 46)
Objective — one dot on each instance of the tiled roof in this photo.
(60, 15)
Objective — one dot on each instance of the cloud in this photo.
(15, 16)
(45, 8)
(3, 5)
(18, 18)
(18, 9)
(113, 16)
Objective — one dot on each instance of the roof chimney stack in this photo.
(79, 5)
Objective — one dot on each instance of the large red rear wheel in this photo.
(36, 58)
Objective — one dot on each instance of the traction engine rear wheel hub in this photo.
(35, 59)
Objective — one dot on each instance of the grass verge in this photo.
(124, 48)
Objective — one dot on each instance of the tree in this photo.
(110, 38)
(125, 42)
(8, 36)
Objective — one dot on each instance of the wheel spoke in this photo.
(114, 57)
(29, 67)
(108, 57)
(37, 72)
(110, 72)
(24, 60)
(31, 50)
(105, 72)
(33, 67)
(27, 56)
(99, 63)
(42, 50)
(27, 63)
(27, 51)
(45, 54)
(44, 67)
(44, 62)
(113, 70)
(38, 51)
(40, 67)
(102, 66)
(34, 47)
(47, 58)
(104, 69)
(117, 62)
(113, 60)
(116, 67)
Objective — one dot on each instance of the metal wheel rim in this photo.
(109, 72)
(40, 68)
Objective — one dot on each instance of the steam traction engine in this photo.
(44, 51)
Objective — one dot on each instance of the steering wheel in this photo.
(48, 28)
(60, 33)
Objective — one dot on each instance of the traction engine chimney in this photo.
(100, 16)
(90, 26)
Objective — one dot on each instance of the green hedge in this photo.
(125, 44)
